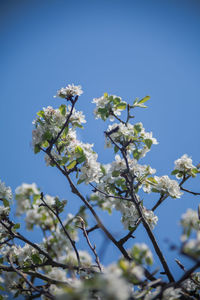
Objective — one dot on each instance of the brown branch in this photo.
(63, 227)
(34, 288)
(190, 192)
(129, 183)
(92, 228)
(51, 143)
(93, 248)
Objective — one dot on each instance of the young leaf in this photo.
(62, 109)
(71, 165)
(148, 143)
(143, 100)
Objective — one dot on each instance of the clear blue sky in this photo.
(128, 48)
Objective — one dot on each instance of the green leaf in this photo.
(194, 172)
(71, 165)
(77, 125)
(1, 260)
(148, 143)
(137, 127)
(121, 105)
(36, 149)
(47, 135)
(62, 109)
(115, 173)
(81, 159)
(16, 294)
(80, 181)
(64, 161)
(143, 100)
(45, 144)
(103, 170)
(175, 172)
(149, 260)
(152, 180)
(40, 113)
(65, 131)
(35, 198)
(116, 149)
(79, 150)
(6, 203)
(36, 259)
(136, 154)
(16, 226)
(116, 100)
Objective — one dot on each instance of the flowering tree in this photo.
(55, 268)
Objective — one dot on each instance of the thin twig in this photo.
(190, 192)
(63, 227)
(93, 248)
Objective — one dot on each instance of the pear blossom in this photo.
(183, 164)
(70, 91)
(166, 185)
(5, 191)
(108, 106)
(190, 220)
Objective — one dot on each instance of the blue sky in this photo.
(128, 48)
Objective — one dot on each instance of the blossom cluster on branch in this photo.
(55, 267)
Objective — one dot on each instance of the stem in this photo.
(63, 227)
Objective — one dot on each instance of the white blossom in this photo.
(171, 294)
(183, 164)
(23, 194)
(150, 217)
(5, 191)
(190, 219)
(166, 185)
(58, 274)
(70, 91)
(108, 106)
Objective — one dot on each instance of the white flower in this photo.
(189, 285)
(192, 247)
(23, 194)
(4, 211)
(150, 217)
(190, 219)
(55, 155)
(183, 164)
(85, 258)
(57, 274)
(5, 191)
(108, 106)
(70, 91)
(166, 185)
(134, 136)
(141, 251)
(171, 294)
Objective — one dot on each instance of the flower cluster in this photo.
(29, 201)
(56, 268)
(190, 221)
(5, 192)
(183, 166)
(133, 137)
(141, 254)
(20, 255)
(192, 284)
(108, 189)
(108, 106)
(50, 122)
(69, 91)
(163, 185)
